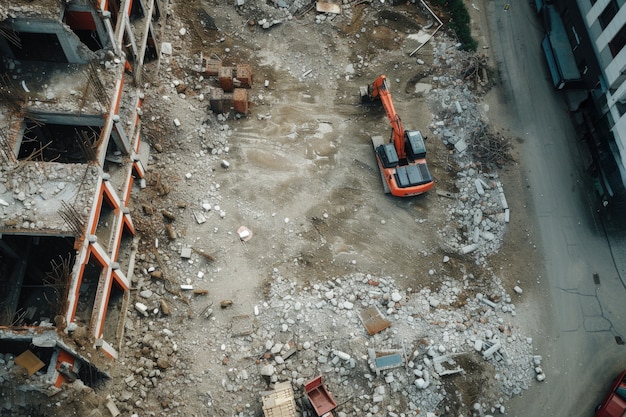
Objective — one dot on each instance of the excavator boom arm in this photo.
(380, 90)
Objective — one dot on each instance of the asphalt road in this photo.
(581, 320)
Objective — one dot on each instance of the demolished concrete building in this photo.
(72, 155)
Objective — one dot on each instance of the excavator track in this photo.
(377, 141)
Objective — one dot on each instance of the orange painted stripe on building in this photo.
(79, 20)
(138, 168)
(63, 357)
(129, 189)
(118, 281)
(109, 354)
(94, 225)
(113, 202)
(116, 107)
(104, 309)
(81, 271)
(138, 139)
(115, 251)
(112, 197)
(123, 223)
(59, 381)
(101, 259)
(128, 222)
(99, 255)
(139, 104)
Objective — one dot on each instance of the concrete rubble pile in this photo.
(301, 332)
(39, 187)
(478, 215)
(273, 13)
(480, 212)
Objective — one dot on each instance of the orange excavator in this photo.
(402, 161)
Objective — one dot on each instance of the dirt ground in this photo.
(301, 173)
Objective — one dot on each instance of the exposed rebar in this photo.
(11, 94)
(7, 32)
(87, 143)
(5, 147)
(72, 218)
(58, 278)
(99, 91)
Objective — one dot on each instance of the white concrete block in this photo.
(166, 48)
(142, 308)
(487, 354)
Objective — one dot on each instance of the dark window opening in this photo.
(58, 142)
(621, 107)
(618, 42)
(90, 375)
(114, 158)
(151, 53)
(128, 49)
(114, 9)
(44, 47)
(136, 10)
(90, 39)
(614, 147)
(105, 221)
(582, 67)
(113, 313)
(156, 12)
(35, 273)
(608, 14)
(88, 290)
(87, 372)
(19, 346)
(126, 248)
(83, 25)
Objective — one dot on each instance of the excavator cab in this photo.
(414, 145)
(388, 155)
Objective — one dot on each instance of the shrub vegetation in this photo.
(459, 21)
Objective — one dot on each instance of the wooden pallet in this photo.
(280, 402)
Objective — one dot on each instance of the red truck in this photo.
(614, 405)
(321, 400)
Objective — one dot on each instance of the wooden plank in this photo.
(373, 320)
(328, 7)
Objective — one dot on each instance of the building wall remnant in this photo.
(70, 154)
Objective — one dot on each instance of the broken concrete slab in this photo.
(166, 48)
(460, 146)
(185, 252)
(241, 325)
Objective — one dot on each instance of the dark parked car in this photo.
(614, 405)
